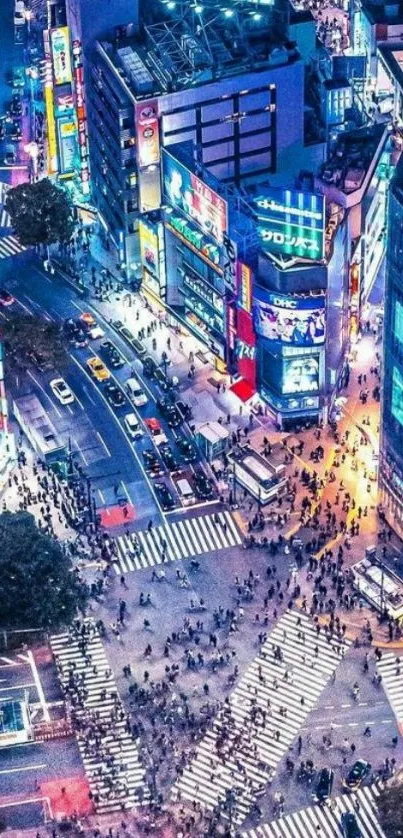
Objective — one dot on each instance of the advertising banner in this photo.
(291, 222)
(67, 132)
(148, 141)
(149, 249)
(244, 287)
(300, 375)
(64, 101)
(61, 55)
(296, 321)
(246, 347)
(50, 132)
(78, 73)
(186, 192)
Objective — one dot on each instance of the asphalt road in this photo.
(95, 430)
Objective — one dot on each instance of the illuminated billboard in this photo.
(148, 142)
(295, 321)
(184, 191)
(244, 287)
(61, 55)
(149, 249)
(67, 133)
(300, 375)
(291, 222)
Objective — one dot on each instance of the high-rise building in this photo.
(92, 19)
(226, 82)
(391, 452)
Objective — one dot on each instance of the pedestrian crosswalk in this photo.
(182, 539)
(318, 820)
(262, 717)
(391, 668)
(4, 218)
(108, 749)
(10, 246)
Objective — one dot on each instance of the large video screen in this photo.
(300, 375)
(291, 222)
(397, 395)
(200, 203)
(297, 321)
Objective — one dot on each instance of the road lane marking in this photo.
(126, 491)
(24, 768)
(101, 495)
(39, 688)
(81, 452)
(24, 307)
(17, 687)
(126, 436)
(102, 441)
(88, 395)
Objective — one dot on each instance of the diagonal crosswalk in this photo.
(317, 820)
(10, 246)
(391, 668)
(262, 716)
(108, 749)
(183, 539)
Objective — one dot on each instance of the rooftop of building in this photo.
(392, 56)
(351, 158)
(383, 12)
(181, 45)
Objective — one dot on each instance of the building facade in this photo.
(243, 119)
(391, 448)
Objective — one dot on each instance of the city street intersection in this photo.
(248, 600)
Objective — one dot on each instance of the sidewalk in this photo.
(21, 493)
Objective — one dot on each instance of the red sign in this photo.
(246, 347)
(148, 141)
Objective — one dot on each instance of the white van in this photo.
(136, 393)
(185, 491)
(133, 426)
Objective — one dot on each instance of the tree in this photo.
(390, 807)
(23, 333)
(38, 587)
(40, 213)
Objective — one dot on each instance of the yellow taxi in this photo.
(97, 369)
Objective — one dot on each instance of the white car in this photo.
(62, 391)
(133, 426)
(136, 393)
(96, 332)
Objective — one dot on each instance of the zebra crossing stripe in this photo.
(317, 820)
(100, 697)
(10, 246)
(267, 709)
(4, 218)
(184, 539)
(391, 668)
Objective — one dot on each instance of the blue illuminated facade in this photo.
(391, 454)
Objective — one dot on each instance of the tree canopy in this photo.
(390, 807)
(38, 587)
(23, 334)
(40, 213)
